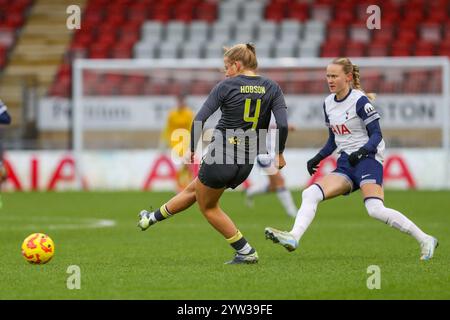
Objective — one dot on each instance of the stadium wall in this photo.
(152, 170)
(145, 113)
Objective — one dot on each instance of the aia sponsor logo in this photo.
(340, 129)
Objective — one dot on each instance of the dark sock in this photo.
(241, 245)
(162, 213)
(159, 216)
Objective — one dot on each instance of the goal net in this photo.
(124, 104)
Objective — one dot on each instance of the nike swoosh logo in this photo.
(366, 175)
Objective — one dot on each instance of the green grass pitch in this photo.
(183, 258)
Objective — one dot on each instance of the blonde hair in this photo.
(349, 67)
(245, 53)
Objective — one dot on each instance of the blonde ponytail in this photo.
(357, 82)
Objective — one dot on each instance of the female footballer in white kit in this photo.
(276, 181)
(354, 132)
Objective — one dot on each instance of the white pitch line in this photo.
(81, 223)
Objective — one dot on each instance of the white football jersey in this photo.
(348, 118)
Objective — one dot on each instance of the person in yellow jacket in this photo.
(180, 117)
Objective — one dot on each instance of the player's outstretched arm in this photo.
(328, 149)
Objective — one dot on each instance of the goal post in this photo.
(413, 95)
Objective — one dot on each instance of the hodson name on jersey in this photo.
(348, 118)
(253, 89)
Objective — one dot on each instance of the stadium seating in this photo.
(279, 28)
(12, 18)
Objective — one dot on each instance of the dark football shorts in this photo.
(367, 170)
(218, 176)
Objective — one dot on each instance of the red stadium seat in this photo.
(83, 39)
(115, 19)
(99, 51)
(406, 36)
(344, 16)
(444, 50)
(297, 11)
(446, 30)
(390, 16)
(3, 49)
(14, 20)
(206, 11)
(401, 49)
(336, 24)
(344, 6)
(328, 2)
(162, 12)
(413, 15)
(2, 60)
(437, 16)
(355, 49)
(184, 12)
(424, 49)
(131, 28)
(275, 12)
(107, 39)
(337, 34)
(332, 49)
(128, 39)
(377, 50)
(65, 70)
(121, 52)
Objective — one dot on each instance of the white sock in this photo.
(285, 197)
(311, 197)
(376, 209)
(246, 249)
(257, 189)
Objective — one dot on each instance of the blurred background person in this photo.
(5, 118)
(180, 117)
(275, 181)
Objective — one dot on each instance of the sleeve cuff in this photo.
(371, 119)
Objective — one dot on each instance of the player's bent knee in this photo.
(375, 208)
(312, 193)
(207, 206)
(209, 212)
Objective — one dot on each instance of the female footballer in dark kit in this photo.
(246, 101)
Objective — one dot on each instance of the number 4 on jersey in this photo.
(247, 117)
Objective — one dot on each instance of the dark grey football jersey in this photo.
(246, 104)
